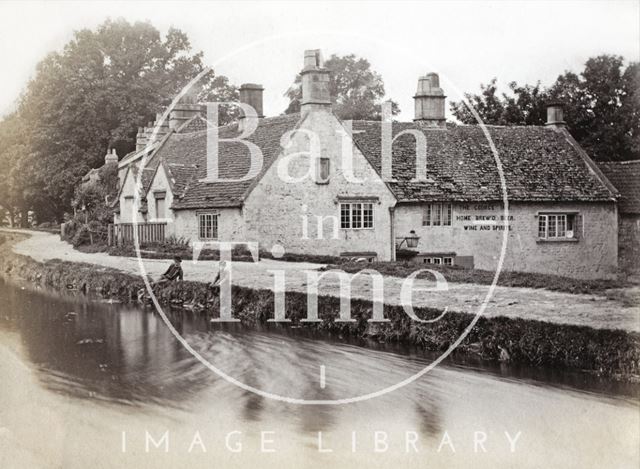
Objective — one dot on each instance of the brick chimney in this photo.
(429, 100)
(111, 157)
(141, 139)
(163, 126)
(145, 134)
(315, 83)
(555, 114)
(184, 110)
(251, 94)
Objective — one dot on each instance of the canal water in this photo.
(91, 384)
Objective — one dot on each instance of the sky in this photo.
(466, 42)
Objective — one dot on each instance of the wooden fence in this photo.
(122, 233)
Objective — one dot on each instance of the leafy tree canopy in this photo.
(92, 95)
(601, 104)
(356, 90)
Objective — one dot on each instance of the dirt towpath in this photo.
(615, 310)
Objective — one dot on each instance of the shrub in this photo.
(81, 236)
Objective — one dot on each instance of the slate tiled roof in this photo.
(148, 172)
(539, 164)
(625, 176)
(183, 156)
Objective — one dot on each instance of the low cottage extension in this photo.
(625, 176)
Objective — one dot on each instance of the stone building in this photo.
(347, 198)
(625, 176)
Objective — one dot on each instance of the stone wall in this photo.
(592, 255)
(629, 242)
(230, 224)
(277, 211)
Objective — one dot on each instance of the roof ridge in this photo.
(455, 125)
(620, 162)
(285, 117)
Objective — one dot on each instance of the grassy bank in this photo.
(395, 269)
(163, 251)
(485, 277)
(604, 352)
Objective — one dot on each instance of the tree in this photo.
(356, 90)
(488, 105)
(15, 186)
(94, 94)
(526, 105)
(602, 106)
(92, 200)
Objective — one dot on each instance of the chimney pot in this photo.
(429, 100)
(555, 114)
(313, 58)
(251, 94)
(111, 157)
(141, 138)
(315, 82)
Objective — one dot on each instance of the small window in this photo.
(555, 226)
(437, 215)
(208, 225)
(128, 206)
(436, 212)
(345, 216)
(356, 215)
(325, 169)
(447, 260)
(437, 260)
(426, 220)
(161, 208)
(367, 215)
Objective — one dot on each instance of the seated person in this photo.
(174, 272)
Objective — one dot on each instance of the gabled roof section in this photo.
(183, 156)
(195, 124)
(539, 164)
(137, 155)
(625, 176)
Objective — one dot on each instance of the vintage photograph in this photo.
(291, 234)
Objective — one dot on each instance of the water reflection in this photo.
(121, 357)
